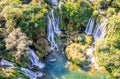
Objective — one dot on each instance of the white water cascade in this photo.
(6, 63)
(53, 29)
(35, 60)
(99, 32)
(90, 26)
(31, 74)
(91, 58)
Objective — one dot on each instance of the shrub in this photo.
(12, 17)
(95, 14)
(18, 43)
(110, 12)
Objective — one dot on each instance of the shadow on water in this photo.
(55, 69)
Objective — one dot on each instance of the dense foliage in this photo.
(23, 23)
(75, 14)
(108, 49)
(30, 18)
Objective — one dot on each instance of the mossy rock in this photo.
(89, 40)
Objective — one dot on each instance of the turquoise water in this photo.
(58, 70)
(55, 70)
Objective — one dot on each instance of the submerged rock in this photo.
(52, 60)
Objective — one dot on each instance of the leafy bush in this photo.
(12, 16)
(95, 14)
(110, 12)
(116, 4)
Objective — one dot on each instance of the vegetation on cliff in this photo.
(23, 23)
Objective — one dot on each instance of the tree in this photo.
(108, 49)
(18, 44)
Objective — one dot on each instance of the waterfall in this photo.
(6, 63)
(53, 28)
(54, 3)
(91, 58)
(35, 60)
(31, 74)
(99, 32)
(90, 25)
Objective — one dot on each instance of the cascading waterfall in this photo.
(53, 29)
(99, 32)
(31, 74)
(35, 62)
(6, 63)
(91, 58)
(90, 26)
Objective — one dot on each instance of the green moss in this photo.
(95, 14)
(89, 40)
(85, 75)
